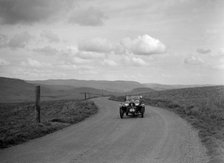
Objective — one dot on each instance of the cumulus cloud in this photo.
(47, 50)
(3, 40)
(34, 63)
(3, 62)
(19, 40)
(203, 51)
(218, 63)
(219, 67)
(144, 45)
(88, 17)
(109, 62)
(77, 60)
(97, 45)
(138, 61)
(221, 52)
(89, 55)
(30, 11)
(50, 36)
(192, 60)
(133, 61)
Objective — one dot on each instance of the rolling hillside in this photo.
(113, 86)
(16, 90)
(140, 91)
(159, 87)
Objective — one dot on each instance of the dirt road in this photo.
(160, 137)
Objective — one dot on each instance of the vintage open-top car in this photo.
(133, 105)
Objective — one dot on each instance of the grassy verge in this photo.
(202, 108)
(18, 125)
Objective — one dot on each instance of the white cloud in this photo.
(3, 62)
(109, 62)
(47, 50)
(68, 66)
(219, 64)
(50, 36)
(193, 60)
(144, 45)
(19, 40)
(89, 55)
(138, 61)
(133, 61)
(97, 45)
(221, 52)
(3, 40)
(220, 67)
(35, 64)
(87, 70)
(78, 60)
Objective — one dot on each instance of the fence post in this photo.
(38, 104)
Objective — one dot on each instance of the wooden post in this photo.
(85, 95)
(38, 104)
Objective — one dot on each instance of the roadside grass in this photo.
(18, 124)
(202, 107)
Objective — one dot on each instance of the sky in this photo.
(149, 41)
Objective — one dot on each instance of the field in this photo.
(203, 107)
(18, 124)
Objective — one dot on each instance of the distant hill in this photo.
(140, 91)
(184, 94)
(197, 95)
(113, 86)
(16, 90)
(160, 87)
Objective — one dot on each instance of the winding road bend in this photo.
(160, 137)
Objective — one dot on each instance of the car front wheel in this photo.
(142, 112)
(121, 113)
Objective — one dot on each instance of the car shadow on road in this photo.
(131, 117)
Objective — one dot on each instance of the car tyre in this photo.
(142, 112)
(126, 113)
(121, 113)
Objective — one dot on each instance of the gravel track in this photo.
(160, 137)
